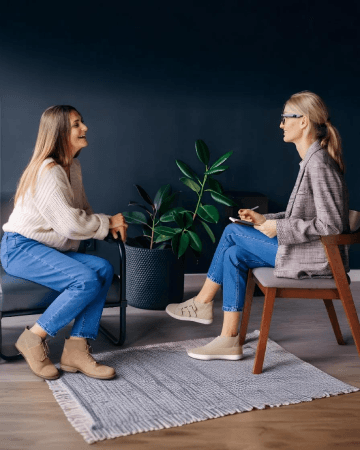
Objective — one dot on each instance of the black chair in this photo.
(19, 297)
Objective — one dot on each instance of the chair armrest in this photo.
(341, 239)
(122, 256)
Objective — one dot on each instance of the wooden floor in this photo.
(30, 418)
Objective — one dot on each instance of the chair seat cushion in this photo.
(265, 275)
(18, 294)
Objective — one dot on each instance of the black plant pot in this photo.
(154, 278)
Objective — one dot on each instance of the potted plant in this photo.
(155, 260)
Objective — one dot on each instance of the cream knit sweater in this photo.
(59, 215)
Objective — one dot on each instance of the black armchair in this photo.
(19, 297)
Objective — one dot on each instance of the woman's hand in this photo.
(251, 216)
(118, 223)
(268, 228)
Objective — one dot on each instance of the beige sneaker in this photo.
(76, 358)
(35, 351)
(192, 310)
(222, 347)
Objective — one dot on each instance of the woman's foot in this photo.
(76, 357)
(222, 347)
(35, 351)
(192, 310)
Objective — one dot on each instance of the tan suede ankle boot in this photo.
(35, 351)
(76, 358)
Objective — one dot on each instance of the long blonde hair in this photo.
(311, 105)
(52, 141)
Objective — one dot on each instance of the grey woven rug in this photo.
(159, 386)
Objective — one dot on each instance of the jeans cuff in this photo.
(84, 337)
(231, 309)
(213, 280)
(50, 333)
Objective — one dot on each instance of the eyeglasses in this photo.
(284, 116)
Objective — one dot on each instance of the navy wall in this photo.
(150, 79)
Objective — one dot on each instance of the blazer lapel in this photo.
(311, 150)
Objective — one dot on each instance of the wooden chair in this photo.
(328, 289)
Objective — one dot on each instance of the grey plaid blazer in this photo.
(318, 206)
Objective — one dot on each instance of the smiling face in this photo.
(293, 127)
(77, 133)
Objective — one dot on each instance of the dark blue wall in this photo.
(151, 78)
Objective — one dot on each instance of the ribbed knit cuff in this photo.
(103, 230)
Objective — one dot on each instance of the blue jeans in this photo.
(83, 280)
(241, 247)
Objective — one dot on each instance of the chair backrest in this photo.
(6, 207)
(354, 219)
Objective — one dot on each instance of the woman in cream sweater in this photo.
(51, 216)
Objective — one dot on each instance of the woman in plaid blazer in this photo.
(288, 241)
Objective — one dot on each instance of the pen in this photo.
(252, 209)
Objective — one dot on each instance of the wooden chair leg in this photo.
(264, 329)
(352, 317)
(337, 267)
(250, 287)
(334, 321)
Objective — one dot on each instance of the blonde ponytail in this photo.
(332, 142)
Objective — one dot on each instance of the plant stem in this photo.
(152, 232)
(200, 196)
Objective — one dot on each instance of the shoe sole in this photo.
(37, 374)
(75, 369)
(190, 319)
(209, 357)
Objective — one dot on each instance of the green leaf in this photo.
(167, 231)
(169, 215)
(221, 160)
(135, 217)
(161, 247)
(188, 219)
(195, 241)
(179, 219)
(183, 243)
(191, 184)
(215, 185)
(186, 170)
(175, 242)
(161, 194)
(216, 170)
(132, 203)
(143, 194)
(162, 238)
(220, 198)
(166, 203)
(202, 151)
(209, 213)
(209, 232)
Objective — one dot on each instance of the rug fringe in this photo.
(76, 415)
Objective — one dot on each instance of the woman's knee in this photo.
(87, 280)
(231, 228)
(233, 256)
(107, 269)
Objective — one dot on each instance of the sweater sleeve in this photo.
(53, 201)
(272, 216)
(327, 187)
(87, 207)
